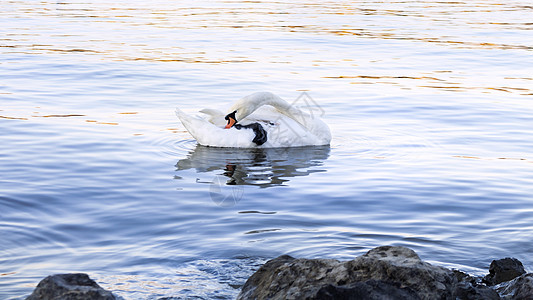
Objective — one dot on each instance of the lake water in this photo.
(430, 104)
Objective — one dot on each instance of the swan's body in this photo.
(284, 125)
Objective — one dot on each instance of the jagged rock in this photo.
(471, 291)
(69, 287)
(502, 270)
(382, 273)
(520, 288)
(369, 290)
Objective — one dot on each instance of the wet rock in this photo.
(69, 287)
(370, 290)
(382, 273)
(286, 277)
(472, 291)
(502, 270)
(402, 265)
(520, 288)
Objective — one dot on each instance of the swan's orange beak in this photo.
(231, 122)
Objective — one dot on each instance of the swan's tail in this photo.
(190, 123)
(181, 115)
(208, 134)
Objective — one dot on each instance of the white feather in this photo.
(285, 125)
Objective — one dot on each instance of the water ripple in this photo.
(170, 146)
(387, 144)
(199, 279)
(429, 103)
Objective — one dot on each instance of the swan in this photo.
(259, 120)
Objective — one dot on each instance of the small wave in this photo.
(173, 146)
(386, 144)
(198, 279)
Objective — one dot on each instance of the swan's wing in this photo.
(283, 131)
(208, 134)
(215, 116)
(212, 112)
(297, 128)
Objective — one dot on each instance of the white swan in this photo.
(260, 120)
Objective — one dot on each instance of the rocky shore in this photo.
(382, 273)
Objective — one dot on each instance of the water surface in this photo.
(429, 103)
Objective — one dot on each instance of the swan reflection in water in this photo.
(263, 167)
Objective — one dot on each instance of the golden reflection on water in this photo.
(422, 21)
(444, 83)
(237, 32)
(494, 158)
(60, 116)
(13, 118)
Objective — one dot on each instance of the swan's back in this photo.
(284, 124)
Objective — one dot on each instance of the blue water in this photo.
(430, 105)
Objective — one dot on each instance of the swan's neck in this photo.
(249, 104)
(259, 99)
(290, 111)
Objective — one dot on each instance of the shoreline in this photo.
(385, 271)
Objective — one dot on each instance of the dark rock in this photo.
(281, 277)
(402, 265)
(502, 270)
(370, 290)
(69, 287)
(471, 288)
(520, 288)
(470, 291)
(382, 273)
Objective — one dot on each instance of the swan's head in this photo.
(231, 118)
(246, 106)
(239, 111)
(238, 114)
